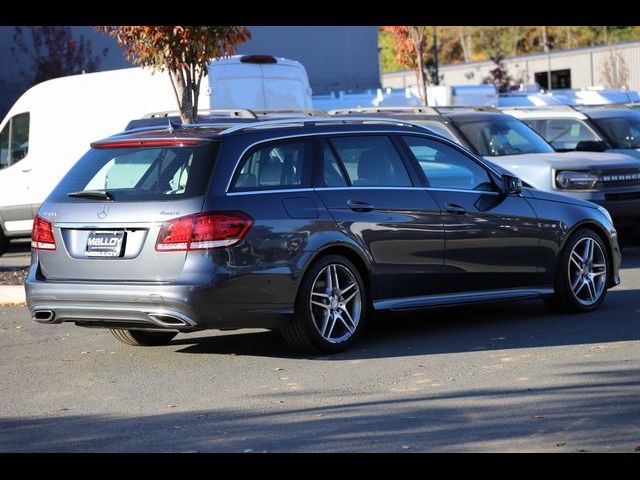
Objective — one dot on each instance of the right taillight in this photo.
(202, 231)
(42, 235)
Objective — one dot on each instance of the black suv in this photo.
(305, 225)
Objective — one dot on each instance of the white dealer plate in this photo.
(105, 244)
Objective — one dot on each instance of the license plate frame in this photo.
(105, 244)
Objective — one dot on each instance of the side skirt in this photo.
(408, 303)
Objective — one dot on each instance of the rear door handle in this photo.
(454, 208)
(359, 206)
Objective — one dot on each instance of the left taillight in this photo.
(42, 235)
(203, 231)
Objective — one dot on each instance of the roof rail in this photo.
(347, 111)
(605, 105)
(564, 108)
(474, 108)
(306, 113)
(305, 121)
(220, 112)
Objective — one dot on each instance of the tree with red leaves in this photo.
(410, 47)
(54, 51)
(185, 52)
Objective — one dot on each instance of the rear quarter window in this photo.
(141, 174)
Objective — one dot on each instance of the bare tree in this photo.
(614, 71)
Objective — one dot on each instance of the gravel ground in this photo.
(13, 276)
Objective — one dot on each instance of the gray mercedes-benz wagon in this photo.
(305, 225)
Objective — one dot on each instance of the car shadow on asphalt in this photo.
(523, 324)
(575, 410)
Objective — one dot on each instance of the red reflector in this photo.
(258, 59)
(145, 143)
(42, 235)
(202, 231)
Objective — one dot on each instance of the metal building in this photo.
(336, 57)
(573, 68)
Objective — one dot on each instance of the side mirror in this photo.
(591, 146)
(511, 184)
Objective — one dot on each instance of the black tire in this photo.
(564, 300)
(141, 338)
(4, 243)
(302, 334)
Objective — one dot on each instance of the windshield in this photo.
(139, 174)
(440, 128)
(499, 136)
(623, 131)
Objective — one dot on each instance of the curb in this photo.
(12, 295)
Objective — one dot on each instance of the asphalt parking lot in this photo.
(509, 377)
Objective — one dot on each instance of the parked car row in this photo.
(591, 166)
(311, 224)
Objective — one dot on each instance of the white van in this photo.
(52, 124)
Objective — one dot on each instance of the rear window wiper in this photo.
(92, 194)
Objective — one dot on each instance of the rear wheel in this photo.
(331, 307)
(140, 338)
(4, 243)
(583, 274)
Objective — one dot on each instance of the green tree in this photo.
(185, 52)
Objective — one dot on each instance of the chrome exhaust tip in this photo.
(168, 320)
(43, 316)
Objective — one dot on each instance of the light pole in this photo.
(547, 44)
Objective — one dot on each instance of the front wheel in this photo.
(331, 307)
(140, 338)
(583, 274)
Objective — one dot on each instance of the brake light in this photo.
(42, 235)
(258, 59)
(202, 231)
(145, 143)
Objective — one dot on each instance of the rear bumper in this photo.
(158, 306)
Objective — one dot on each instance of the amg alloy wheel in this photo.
(583, 274)
(331, 307)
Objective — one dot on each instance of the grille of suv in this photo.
(618, 178)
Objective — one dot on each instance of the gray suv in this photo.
(304, 225)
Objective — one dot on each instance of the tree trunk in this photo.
(417, 38)
(182, 90)
(465, 41)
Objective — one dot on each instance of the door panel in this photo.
(402, 230)
(492, 240)
(369, 192)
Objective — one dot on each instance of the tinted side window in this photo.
(371, 161)
(331, 170)
(566, 133)
(446, 167)
(14, 140)
(19, 137)
(4, 145)
(274, 166)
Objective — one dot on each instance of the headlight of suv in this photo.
(606, 213)
(567, 180)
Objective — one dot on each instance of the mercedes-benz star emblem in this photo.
(103, 211)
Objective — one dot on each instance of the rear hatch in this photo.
(107, 213)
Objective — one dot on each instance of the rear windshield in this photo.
(141, 174)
